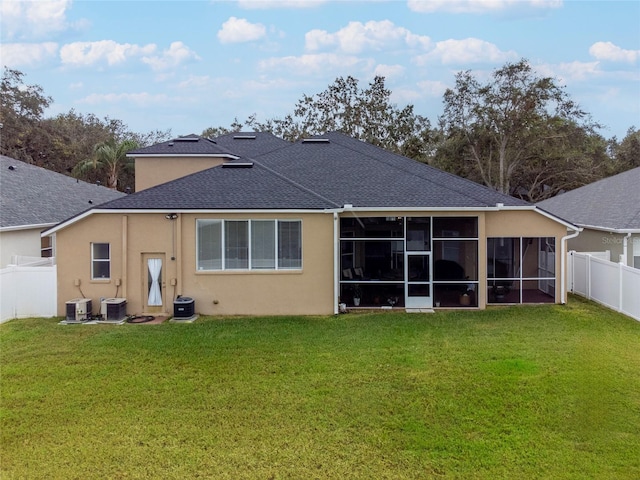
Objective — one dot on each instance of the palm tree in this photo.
(110, 157)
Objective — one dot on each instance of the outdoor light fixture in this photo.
(171, 216)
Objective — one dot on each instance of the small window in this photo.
(209, 244)
(100, 261)
(46, 247)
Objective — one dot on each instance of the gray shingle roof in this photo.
(250, 144)
(317, 175)
(612, 203)
(31, 195)
(186, 145)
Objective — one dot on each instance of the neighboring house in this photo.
(300, 228)
(609, 213)
(33, 199)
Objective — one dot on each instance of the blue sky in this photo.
(189, 65)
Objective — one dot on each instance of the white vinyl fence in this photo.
(27, 291)
(612, 284)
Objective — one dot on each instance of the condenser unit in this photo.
(183, 308)
(79, 309)
(113, 309)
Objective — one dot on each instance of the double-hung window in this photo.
(249, 244)
(100, 261)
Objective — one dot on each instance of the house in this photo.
(608, 212)
(254, 225)
(33, 199)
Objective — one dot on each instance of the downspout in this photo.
(625, 246)
(563, 264)
(336, 247)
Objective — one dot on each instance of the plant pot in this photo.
(356, 301)
(465, 300)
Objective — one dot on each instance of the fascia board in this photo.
(75, 219)
(609, 229)
(26, 227)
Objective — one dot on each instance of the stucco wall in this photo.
(307, 291)
(152, 171)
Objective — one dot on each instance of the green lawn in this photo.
(532, 392)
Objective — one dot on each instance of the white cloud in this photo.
(571, 71)
(33, 19)
(27, 54)
(177, 54)
(237, 30)
(389, 71)
(468, 50)
(195, 81)
(357, 37)
(610, 52)
(478, 6)
(139, 99)
(84, 54)
(273, 4)
(312, 64)
(432, 88)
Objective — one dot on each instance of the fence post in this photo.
(620, 286)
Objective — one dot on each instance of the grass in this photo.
(523, 392)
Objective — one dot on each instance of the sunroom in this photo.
(409, 261)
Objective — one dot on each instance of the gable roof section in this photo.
(610, 204)
(33, 196)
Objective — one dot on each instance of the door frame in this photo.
(145, 256)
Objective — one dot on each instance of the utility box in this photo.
(113, 309)
(78, 309)
(183, 308)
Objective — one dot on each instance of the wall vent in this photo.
(237, 165)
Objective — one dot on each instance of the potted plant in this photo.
(465, 297)
(357, 295)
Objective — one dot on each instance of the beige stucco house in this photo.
(250, 224)
(608, 211)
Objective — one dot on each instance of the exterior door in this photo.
(418, 263)
(418, 280)
(153, 282)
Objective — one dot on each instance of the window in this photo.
(100, 261)
(249, 244)
(46, 247)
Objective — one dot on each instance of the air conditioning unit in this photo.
(183, 308)
(113, 309)
(79, 309)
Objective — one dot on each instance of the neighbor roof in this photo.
(324, 172)
(33, 196)
(611, 204)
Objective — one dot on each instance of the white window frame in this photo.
(100, 260)
(250, 265)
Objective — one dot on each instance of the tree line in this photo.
(516, 132)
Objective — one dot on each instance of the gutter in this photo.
(563, 263)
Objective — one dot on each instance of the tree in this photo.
(21, 109)
(109, 157)
(366, 114)
(626, 154)
(517, 130)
